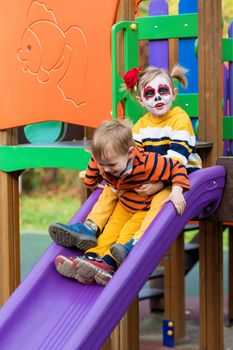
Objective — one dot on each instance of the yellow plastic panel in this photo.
(55, 61)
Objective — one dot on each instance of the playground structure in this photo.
(14, 159)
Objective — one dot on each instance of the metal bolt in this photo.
(133, 26)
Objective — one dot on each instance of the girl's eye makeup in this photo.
(149, 92)
(164, 90)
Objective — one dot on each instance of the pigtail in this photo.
(178, 72)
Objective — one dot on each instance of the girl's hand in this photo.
(150, 188)
(119, 192)
(177, 198)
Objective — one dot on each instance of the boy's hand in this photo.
(100, 186)
(150, 188)
(93, 188)
(177, 198)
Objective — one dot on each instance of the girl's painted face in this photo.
(157, 96)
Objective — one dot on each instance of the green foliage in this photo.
(50, 180)
(227, 14)
(191, 234)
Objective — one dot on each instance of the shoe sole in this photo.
(118, 255)
(65, 238)
(91, 272)
(66, 269)
(84, 280)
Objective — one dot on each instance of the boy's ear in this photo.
(139, 99)
(131, 152)
(175, 91)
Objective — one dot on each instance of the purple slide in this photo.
(48, 311)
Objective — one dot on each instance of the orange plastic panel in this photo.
(55, 61)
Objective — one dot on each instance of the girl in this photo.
(164, 130)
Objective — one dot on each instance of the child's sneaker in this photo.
(65, 267)
(77, 235)
(120, 251)
(93, 269)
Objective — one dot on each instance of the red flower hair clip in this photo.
(131, 77)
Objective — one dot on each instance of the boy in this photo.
(124, 167)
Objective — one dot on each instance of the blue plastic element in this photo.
(188, 6)
(168, 333)
(187, 56)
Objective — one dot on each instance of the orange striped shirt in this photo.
(146, 167)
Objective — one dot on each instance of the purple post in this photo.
(226, 148)
(158, 49)
(230, 33)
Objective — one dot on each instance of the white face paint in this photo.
(157, 96)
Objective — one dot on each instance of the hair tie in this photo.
(131, 77)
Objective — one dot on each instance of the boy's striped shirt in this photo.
(146, 167)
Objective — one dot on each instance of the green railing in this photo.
(157, 28)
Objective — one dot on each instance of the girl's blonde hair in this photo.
(113, 135)
(177, 72)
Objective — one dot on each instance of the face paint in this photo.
(157, 96)
(148, 92)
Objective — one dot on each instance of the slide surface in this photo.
(48, 311)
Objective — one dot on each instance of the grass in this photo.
(38, 211)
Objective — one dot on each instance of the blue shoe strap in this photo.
(129, 246)
(80, 227)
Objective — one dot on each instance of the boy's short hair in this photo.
(114, 135)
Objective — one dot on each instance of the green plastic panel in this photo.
(227, 128)
(56, 155)
(227, 49)
(189, 102)
(131, 42)
(166, 27)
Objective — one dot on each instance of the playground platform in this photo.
(151, 334)
(34, 244)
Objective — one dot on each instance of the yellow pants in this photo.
(122, 225)
(103, 208)
(156, 206)
(120, 228)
